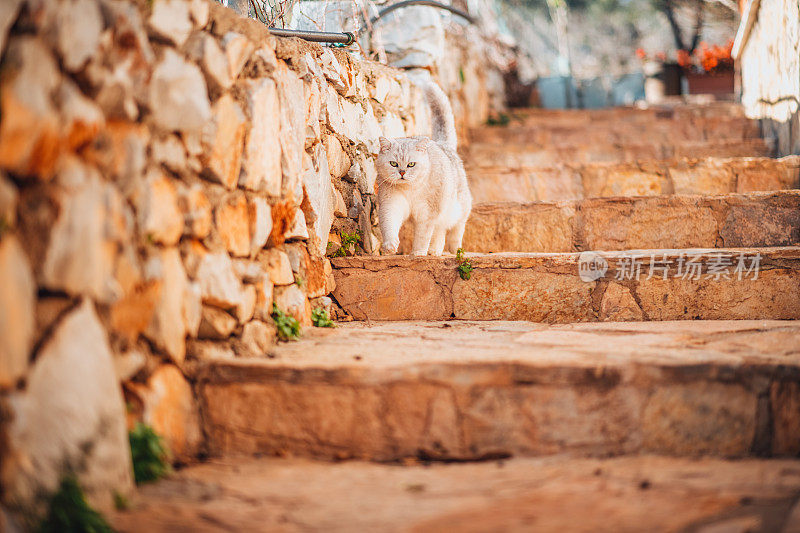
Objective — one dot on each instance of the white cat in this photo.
(423, 179)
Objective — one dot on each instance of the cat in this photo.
(423, 179)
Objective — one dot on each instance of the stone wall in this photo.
(168, 171)
(770, 67)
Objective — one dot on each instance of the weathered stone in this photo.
(548, 288)
(651, 223)
(8, 202)
(199, 10)
(71, 415)
(204, 49)
(493, 388)
(170, 409)
(117, 94)
(758, 220)
(210, 350)
(313, 100)
(618, 305)
(339, 207)
(170, 20)
(264, 290)
(170, 152)
(500, 227)
(698, 419)
(707, 178)
(292, 120)
(291, 300)
(277, 265)
(261, 166)
(219, 285)
(324, 303)
(16, 311)
(178, 97)
(785, 406)
(82, 120)
(297, 229)
(132, 314)
(233, 224)
(314, 270)
(120, 152)
(260, 224)
(338, 160)
(762, 174)
(223, 140)
(216, 324)
(29, 131)
(237, 49)
(196, 211)
(8, 14)
(604, 180)
(168, 327)
(247, 306)
(128, 364)
(91, 224)
(257, 338)
(318, 191)
(249, 271)
(192, 308)
(74, 28)
(335, 74)
(160, 219)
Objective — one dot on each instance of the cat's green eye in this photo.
(411, 165)
(393, 163)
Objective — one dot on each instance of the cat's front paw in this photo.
(390, 246)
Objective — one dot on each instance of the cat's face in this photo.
(402, 160)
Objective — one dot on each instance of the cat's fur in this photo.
(433, 192)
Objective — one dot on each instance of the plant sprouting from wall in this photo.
(69, 512)
(464, 265)
(287, 326)
(320, 318)
(150, 455)
(347, 240)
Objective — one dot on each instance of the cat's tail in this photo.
(443, 124)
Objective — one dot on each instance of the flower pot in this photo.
(710, 83)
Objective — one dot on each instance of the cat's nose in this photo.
(402, 173)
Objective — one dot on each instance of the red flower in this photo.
(640, 53)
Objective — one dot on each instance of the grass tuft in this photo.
(464, 265)
(288, 327)
(69, 512)
(150, 455)
(320, 318)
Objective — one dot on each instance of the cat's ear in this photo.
(422, 144)
(385, 143)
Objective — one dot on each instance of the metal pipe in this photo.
(345, 38)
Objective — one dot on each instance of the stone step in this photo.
(750, 220)
(647, 178)
(514, 155)
(662, 131)
(462, 391)
(649, 493)
(711, 284)
(622, 115)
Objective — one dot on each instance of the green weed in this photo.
(288, 327)
(150, 455)
(464, 265)
(69, 512)
(320, 318)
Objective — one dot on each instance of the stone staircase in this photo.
(634, 291)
